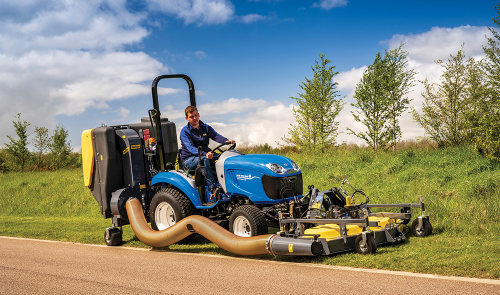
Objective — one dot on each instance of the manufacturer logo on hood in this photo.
(245, 177)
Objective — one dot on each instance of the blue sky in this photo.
(83, 63)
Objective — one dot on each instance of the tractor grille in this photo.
(282, 187)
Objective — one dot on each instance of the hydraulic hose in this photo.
(187, 226)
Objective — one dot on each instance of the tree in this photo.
(316, 109)
(41, 143)
(448, 111)
(380, 98)
(487, 129)
(18, 149)
(372, 103)
(399, 80)
(60, 147)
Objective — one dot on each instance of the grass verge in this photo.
(461, 190)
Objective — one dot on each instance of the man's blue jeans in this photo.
(191, 164)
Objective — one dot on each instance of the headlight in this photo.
(295, 166)
(276, 168)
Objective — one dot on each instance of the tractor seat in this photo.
(190, 172)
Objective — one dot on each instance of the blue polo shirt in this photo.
(192, 138)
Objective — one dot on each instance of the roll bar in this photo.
(155, 112)
(154, 89)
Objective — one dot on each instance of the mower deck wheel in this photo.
(424, 231)
(370, 246)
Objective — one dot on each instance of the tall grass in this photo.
(461, 189)
(52, 193)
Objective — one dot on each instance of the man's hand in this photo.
(231, 141)
(209, 155)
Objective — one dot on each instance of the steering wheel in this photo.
(221, 145)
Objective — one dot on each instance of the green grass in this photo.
(461, 190)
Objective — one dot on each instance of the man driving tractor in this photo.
(195, 134)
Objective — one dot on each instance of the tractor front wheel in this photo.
(248, 221)
(168, 207)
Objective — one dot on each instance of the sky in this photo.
(86, 63)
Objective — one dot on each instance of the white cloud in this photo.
(124, 113)
(231, 106)
(439, 43)
(329, 4)
(251, 18)
(267, 124)
(200, 54)
(201, 12)
(72, 25)
(349, 79)
(64, 57)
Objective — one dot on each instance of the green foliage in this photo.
(42, 144)
(487, 127)
(18, 149)
(488, 141)
(60, 147)
(399, 79)
(317, 109)
(449, 113)
(380, 98)
(372, 102)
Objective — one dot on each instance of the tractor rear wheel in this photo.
(248, 221)
(168, 207)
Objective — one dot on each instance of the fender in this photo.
(179, 181)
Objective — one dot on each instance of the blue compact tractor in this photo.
(142, 161)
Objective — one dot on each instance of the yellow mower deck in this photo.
(332, 231)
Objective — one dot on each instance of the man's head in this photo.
(192, 116)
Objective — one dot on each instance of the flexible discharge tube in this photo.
(212, 231)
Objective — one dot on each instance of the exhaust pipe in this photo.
(228, 241)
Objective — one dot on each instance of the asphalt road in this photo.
(45, 267)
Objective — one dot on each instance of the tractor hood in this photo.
(273, 165)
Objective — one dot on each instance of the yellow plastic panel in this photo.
(382, 222)
(87, 156)
(332, 231)
(327, 231)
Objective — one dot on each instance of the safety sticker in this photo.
(142, 186)
(125, 151)
(290, 248)
(135, 146)
(146, 134)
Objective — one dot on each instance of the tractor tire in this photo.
(370, 246)
(169, 206)
(424, 231)
(248, 221)
(114, 238)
